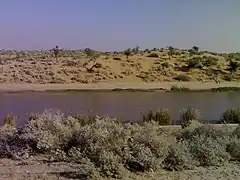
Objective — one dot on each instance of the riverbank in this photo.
(163, 86)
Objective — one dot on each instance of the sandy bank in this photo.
(112, 86)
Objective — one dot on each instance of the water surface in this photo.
(124, 105)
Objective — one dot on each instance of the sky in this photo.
(113, 25)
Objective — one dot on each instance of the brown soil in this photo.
(40, 170)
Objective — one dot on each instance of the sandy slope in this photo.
(149, 66)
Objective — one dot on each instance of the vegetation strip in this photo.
(103, 147)
(172, 89)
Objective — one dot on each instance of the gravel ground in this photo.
(34, 170)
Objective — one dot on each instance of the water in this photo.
(124, 105)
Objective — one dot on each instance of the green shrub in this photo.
(194, 62)
(233, 66)
(231, 116)
(187, 132)
(179, 89)
(189, 114)
(209, 61)
(161, 116)
(195, 48)
(10, 120)
(127, 52)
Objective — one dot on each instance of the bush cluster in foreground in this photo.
(104, 146)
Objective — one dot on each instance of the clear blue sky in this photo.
(118, 24)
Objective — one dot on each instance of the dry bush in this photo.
(165, 65)
(179, 157)
(51, 130)
(234, 144)
(83, 119)
(234, 148)
(182, 77)
(147, 146)
(101, 142)
(161, 116)
(196, 129)
(189, 114)
(209, 151)
(13, 144)
(236, 132)
(117, 58)
(207, 144)
(86, 170)
(112, 147)
(103, 146)
(154, 55)
(99, 139)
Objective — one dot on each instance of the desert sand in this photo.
(146, 69)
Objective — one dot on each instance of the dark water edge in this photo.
(173, 89)
(126, 106)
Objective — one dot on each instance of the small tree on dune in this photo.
(135, 50)
(127, 52)
(195, 48)
(170, 51)
(56, 52)
(233, 66)
(94, 55)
